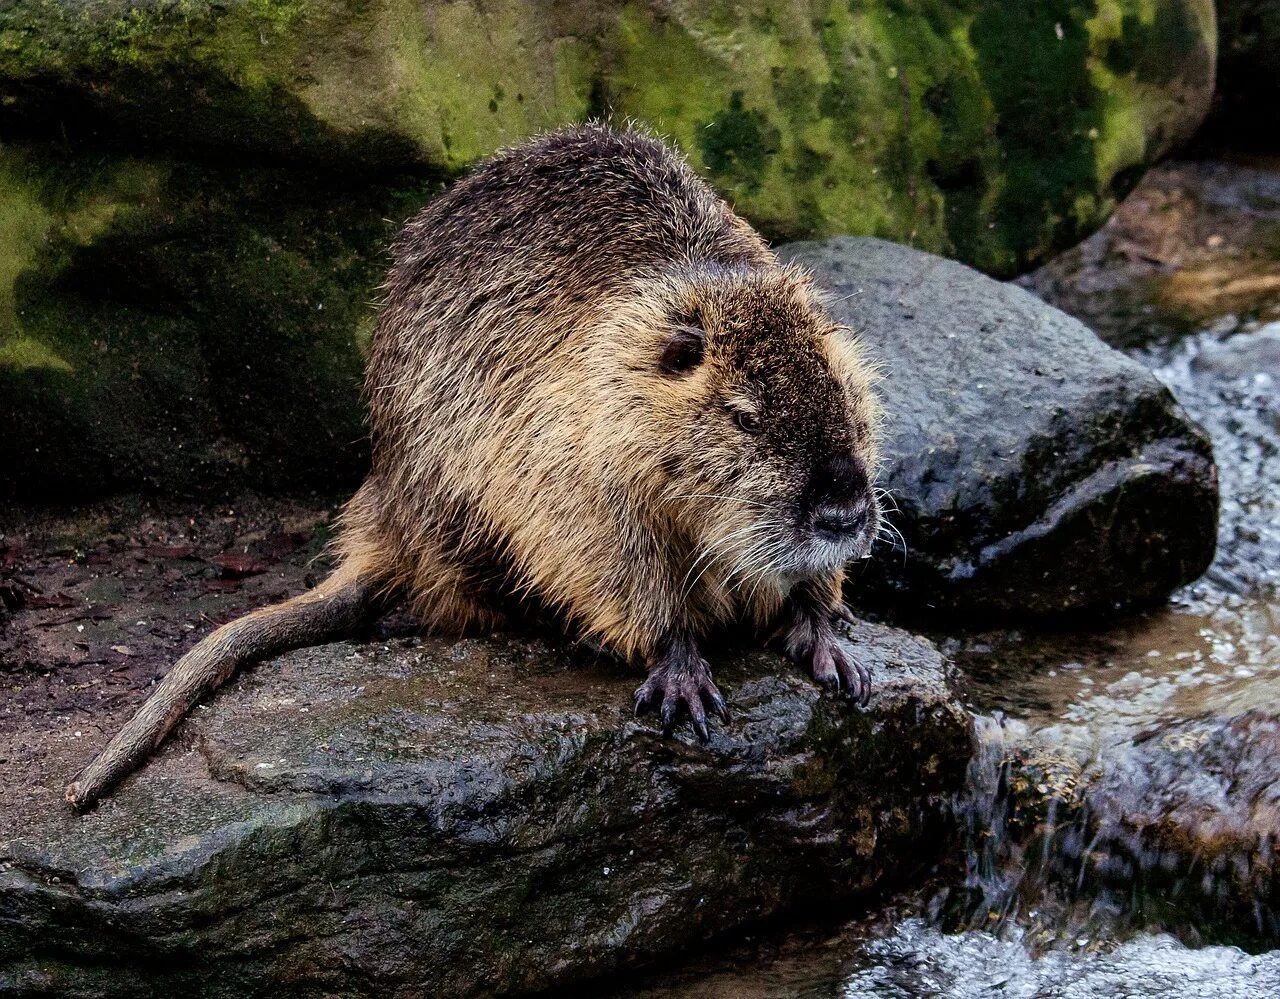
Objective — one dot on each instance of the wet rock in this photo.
(1176, 827)
(1193, 811)
(1034, 469)
(440, 818)
(1193, 246)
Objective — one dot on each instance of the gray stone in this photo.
(431, 818)
(1034, 468)
(1175, 826)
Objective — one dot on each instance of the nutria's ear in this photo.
(683, 351)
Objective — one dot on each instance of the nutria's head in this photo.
(764, 415)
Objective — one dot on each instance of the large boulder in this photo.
(1034, 469)
(433, 818)
(168, 326)
(196, 197)
(976, 128)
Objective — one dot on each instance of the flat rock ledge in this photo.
(421, 817)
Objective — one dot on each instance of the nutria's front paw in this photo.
(682, 686)
(813, 643)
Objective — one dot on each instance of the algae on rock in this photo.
(169, 325)
(992, 132)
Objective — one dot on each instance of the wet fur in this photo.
(528, 451)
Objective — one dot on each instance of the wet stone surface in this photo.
(1132, 779)
(411, 814)
(1197, 244)
(1034, 469)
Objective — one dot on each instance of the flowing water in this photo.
(1169, 721)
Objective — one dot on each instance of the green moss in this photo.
(972, 129)
(195, 220)
(21, 353)
(736, 145)
(180, 325)
(965, 126)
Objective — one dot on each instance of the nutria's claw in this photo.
(835, 667)
(674, 690)
(854, 676)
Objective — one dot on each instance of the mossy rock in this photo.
(169, 326)
(196, 198)
(988, 131)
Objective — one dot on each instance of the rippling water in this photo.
(919, 960)
(1077, 907)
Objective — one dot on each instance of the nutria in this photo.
(594, 393)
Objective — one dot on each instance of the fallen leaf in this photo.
(236, 566)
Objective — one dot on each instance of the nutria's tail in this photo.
(336, 608)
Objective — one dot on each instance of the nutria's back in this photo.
(531, 241)
(571, 212)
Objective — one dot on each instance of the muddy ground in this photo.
(97, 603)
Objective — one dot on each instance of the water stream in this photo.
(1124, 807)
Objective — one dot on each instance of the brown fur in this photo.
(595, 394)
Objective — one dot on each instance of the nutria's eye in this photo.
(748, 423)
(683, 351)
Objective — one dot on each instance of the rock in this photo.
(1180, 820)
(171, 327)
(1034, 468)
(991, 133)
(1193, 811)
(197, 197)
(1248, 91)
(440, 818)
(1191, 248)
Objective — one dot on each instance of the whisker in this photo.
(748, 531)
(760, 549)
(734, 499)
(886, 498)
(763, 573)
(890, 532)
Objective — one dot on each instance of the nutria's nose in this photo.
(836, 522)
(840, 481)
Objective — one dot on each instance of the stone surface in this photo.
(421, 817)
(1034, 468)
(1196, 245)
(174, 327)
(988, 132)
(1174, 827)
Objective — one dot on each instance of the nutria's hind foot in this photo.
(681, 682)
(811, 641)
